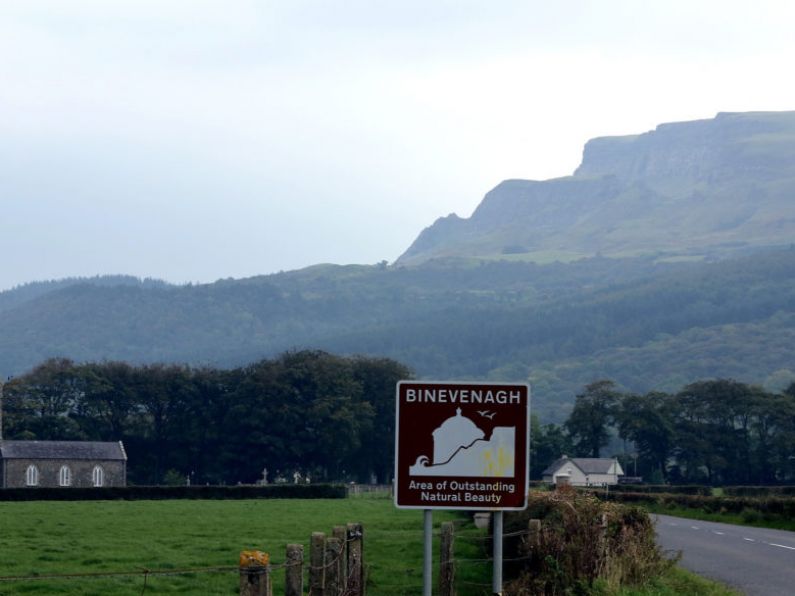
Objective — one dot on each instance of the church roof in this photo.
(62, 450)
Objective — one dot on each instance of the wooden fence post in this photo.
(446, 563)
(355, 560)
(294, 571)
(335, 583)
(341, 534)
(317, 563)
(255, 574)
(534, 532)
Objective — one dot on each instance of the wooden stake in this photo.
(294, 572)
(446, 564)
(355, 560)
(317, 562)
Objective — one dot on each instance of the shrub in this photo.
(682, 489)
(582, 541)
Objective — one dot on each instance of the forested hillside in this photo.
(667, 257)
(645, 324)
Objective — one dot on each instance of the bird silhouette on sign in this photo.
(486, 414)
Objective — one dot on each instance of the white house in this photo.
(583, 471)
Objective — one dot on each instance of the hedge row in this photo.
(581, 541)
(139, 493)
(784, 506)
(685, 489)
(758, 491)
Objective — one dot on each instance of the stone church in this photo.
(62, 463)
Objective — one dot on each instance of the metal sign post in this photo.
(461, 446)
(427, 561)
(496, 579)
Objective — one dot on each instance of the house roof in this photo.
(588, 465)
(62, 450)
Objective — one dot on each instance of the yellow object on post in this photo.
(255, 576)
(254, 558)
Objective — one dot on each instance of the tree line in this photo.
(710, 432)
(324, 416)
(332, 418)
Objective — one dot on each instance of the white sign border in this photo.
(469, 384)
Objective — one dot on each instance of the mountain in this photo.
(702, 189)
(666, 258)
(645, 324)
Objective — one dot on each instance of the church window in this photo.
(32, 476)
(65, 476)
(98, 476)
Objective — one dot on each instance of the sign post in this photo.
(462, 446)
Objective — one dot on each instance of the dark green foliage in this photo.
(717, 432)
(758, 491)
(589, 421)
(770, 506)
(642, 322)
(325, 416)
(680, 489)
(154, 493)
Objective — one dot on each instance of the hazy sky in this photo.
(193, 140)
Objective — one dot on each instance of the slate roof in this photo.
(588, 465)
(62, 450)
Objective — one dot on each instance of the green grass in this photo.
(679, 581)
(747, 518)
(40, 538)
(49, 537)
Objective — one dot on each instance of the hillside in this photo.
(666, 258)
(702, 189)
(645, 324)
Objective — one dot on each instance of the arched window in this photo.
(65, 476)
(98, 476)
(32, 476)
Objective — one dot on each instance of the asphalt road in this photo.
(750, 560)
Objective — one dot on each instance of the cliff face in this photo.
(702, 150)
(693, 188)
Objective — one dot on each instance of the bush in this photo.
(582, 541)
(140, 493)
(770, 506)
(758, 491)
(684, 489)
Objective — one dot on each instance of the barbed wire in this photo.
(100, 574)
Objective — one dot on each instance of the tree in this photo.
(646, 420)
(590, 420)
(547, 443)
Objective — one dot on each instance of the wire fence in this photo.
(475, 539)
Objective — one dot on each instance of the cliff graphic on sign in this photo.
(460, 448)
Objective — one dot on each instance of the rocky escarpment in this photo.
(685, 188)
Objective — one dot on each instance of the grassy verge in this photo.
(41, 538)
(679, 581)
(746, 518)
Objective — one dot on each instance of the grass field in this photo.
(39, 538)
(47, 537)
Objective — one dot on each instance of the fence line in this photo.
(338, 571)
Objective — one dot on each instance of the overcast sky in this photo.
(191, 140)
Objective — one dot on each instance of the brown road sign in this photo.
(461, 445)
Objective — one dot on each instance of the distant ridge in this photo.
(705, 188)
